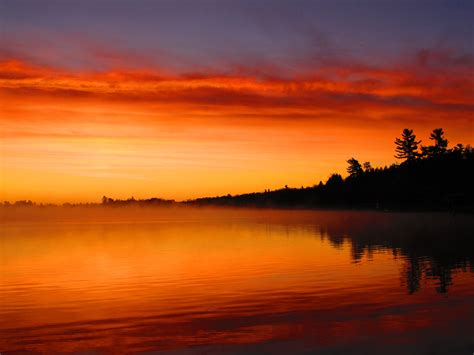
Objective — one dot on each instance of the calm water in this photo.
(238, 282)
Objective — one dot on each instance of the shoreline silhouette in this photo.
(429, 178)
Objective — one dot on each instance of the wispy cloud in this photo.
(431, 80)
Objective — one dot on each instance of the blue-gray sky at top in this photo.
(223, 34)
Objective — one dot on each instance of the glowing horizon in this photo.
(120, 115)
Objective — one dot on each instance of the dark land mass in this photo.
(440, 185)
(429, 178)
(433, 179)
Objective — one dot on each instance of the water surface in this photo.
(213, 281)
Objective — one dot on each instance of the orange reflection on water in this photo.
(174, 283)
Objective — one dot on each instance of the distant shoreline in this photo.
(435, 179)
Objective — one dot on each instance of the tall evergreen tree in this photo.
(407, 146)
(440, 144)
(354, 167)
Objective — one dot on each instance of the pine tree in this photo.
(367, 166)
(440, 144)
(407, 146)
(354, 167)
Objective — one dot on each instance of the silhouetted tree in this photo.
(459, 148)
(440, 144)
(354, 167)
(334, 180)
(407, 146)
(439, 183)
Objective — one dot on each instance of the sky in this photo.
(183, 99)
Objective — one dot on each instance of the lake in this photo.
(236, 281)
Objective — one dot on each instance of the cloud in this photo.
(431, 81)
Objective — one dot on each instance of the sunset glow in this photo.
(83, 117)
(236, 176)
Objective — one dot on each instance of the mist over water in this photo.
(238, 280)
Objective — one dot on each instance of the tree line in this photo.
(431, 177)
(108, 201)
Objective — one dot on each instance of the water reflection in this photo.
(432, 245)
(238, 281)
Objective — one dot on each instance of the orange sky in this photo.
(75, 135)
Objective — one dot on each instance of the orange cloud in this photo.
(146, 132)
(449, 89)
